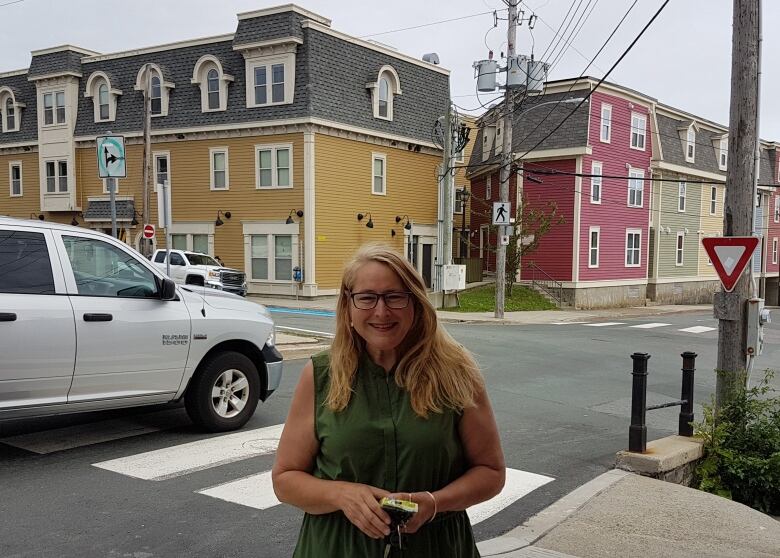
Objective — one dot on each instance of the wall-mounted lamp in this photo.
(392, 232)
(134, 222)
(219, 222)
(180, 136)
(74, 221)
(407, 225)
(34, 215)
(370, 223)
(289, 220)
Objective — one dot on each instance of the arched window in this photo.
(156, 95)
(384, 97)
(103, 101)
(10, 115)
(212, 79)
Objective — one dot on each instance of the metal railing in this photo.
(541, 280)
(637, 432)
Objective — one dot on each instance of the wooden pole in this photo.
(740, 195)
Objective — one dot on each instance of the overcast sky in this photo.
(684, 59)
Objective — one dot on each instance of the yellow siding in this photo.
(30, 201)
(343, 176)
(191, 196)
(711, 225)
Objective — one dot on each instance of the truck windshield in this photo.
(201, 259)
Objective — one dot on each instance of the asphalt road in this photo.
(561, 394)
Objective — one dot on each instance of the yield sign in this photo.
(730, 255)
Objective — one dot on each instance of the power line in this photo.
(416, 26)
(9, 3)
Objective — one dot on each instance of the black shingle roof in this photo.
(673, 147)
(55, 63)
(25, 92)
(100, 210)
(267, 28)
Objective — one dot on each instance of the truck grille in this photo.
(232, 278)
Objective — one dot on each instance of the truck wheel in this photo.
(224, 394)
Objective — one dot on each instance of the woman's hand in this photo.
(424, 513)
(360, 503)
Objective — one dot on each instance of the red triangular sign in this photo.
(730, 255)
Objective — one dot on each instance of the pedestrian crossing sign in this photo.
(501, 212)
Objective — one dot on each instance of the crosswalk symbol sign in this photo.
(501, 211)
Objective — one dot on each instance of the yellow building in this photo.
(269, 141)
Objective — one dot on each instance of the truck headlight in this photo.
(213, 274)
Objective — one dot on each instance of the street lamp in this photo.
(464, 239)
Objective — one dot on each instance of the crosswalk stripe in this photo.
(254, 491)
(649, 326)
(70, 437)
(567, 323)
(697, 329)
(603, 324)
(187, 458)
(518, 484)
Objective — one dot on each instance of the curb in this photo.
(546, 520)
(302, 351)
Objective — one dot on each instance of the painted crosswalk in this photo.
(650, 326)
(699, 329)
(604, 324)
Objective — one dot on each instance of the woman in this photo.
(395, 408)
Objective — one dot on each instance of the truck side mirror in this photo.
(167, 289)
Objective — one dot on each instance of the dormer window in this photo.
(54, 108)
(213, 82)
(723, 152)
(10, 116)
(159, 88)
(690, 145)
(383, 92)
(103, 95)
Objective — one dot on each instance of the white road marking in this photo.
(603, 324)
(70, 437)
(697, 329)
(649, 326)
(567, 323)
(299, 330)
(518, 484)
(254, 491)
(180, 460)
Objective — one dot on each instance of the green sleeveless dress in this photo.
(380, 441)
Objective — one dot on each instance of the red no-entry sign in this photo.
(148, 231)
(730, 255)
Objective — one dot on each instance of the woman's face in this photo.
(382, 328)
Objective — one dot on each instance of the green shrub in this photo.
(742, 448)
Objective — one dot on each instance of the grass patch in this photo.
(483, 299)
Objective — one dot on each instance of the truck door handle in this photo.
(7, 317)
(98, 317)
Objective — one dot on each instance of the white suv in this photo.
(87, 323)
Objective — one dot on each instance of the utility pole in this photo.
(506, 157)
(148, 171)
(730, 308)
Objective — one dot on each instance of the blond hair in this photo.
(438, 372)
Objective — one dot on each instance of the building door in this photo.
(427, 263)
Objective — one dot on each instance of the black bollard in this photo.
(637, 432)
(686, 395)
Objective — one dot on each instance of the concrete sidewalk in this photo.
(622, 514)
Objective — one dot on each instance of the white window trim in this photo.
(640, 174)
(607, 107)
(723, 149)
(591, 230)
(690, 145)
(155, 155)
(11, 166)
(165, 87)
(625, 253)
(383, 158)
(57, 177)
(53, 92)
(200, 78)
(5, 94)
(271, 230)
(456, 190)
(776, 216)
(190, 229)
(288, 60)
(273, 147)
(92, 91)
(600, 180)
(713, 190)
(774, 250)
(639, 132)
(679, 250)
(213, 151)
(394, 81)
(682, 193)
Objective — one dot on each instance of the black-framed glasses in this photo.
(397, 300)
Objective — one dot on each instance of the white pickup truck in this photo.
(87, 323)
(194, 268)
